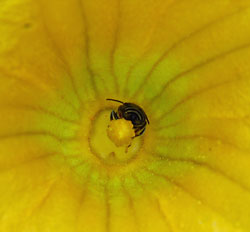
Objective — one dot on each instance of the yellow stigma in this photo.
(111, 142)
(120, 132)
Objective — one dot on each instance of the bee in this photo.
(133, 113)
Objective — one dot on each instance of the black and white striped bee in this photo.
(133, 113)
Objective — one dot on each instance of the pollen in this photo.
(121, 132)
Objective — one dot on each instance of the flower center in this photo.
(111, 141)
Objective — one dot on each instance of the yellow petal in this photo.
(186, 63)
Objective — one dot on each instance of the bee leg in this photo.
(116, 116)
(141, 132)
(113, 115)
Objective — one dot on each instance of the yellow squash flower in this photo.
(65, 167)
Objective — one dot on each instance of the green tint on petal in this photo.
(186, 63)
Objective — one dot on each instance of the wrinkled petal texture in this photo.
(186, 62)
